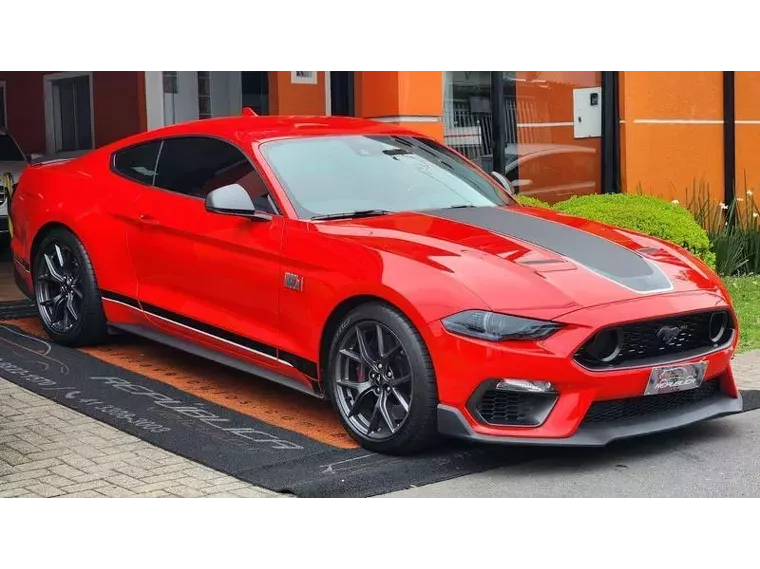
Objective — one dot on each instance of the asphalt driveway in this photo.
(715, 459)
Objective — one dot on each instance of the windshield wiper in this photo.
(354, 214)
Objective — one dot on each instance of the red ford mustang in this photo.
(377, 268)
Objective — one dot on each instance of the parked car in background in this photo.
(12, 163)
(549, 172)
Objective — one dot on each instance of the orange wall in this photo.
(666, 158)
(287, 98)
(747, 98)
(402, 94)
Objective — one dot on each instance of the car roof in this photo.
(248, 129)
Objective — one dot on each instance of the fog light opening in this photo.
(718, 327)
(606, 345)
(525, 386)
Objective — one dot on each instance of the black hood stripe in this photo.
(603, 257)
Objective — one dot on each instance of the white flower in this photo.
(723, 206)
(675, 201)
(755, 215)
(740, 199)
(749, 192)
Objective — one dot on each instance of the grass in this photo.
(745, 293)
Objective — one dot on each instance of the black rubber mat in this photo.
(231, 442)
(11, 309)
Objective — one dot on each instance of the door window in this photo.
(138, 163)
(195, 166)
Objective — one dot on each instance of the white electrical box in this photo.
(587, 104)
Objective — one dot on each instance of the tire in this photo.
(417, 430)
(89, 327)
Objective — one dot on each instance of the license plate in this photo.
(668, 379)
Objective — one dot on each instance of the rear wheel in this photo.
(66, 293)
(381, 381)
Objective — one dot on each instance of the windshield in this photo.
(327, 175)
(9, 152)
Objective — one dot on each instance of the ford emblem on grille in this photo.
(668, 334)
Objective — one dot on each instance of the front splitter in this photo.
(452, 423)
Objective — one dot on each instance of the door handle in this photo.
(148, 220)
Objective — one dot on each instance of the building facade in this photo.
(553, 134)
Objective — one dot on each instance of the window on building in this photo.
(204, 94)
(303, 73)
(547, 155)
(138, 162)
(256, 91)
(171, 90)
(195, 166)
(69, 99)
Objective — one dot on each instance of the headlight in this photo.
(497, 327)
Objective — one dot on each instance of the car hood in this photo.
(530, 261)
(12, 168)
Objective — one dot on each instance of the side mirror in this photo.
(233, 200)
(504, 182)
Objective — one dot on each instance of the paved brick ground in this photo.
(746, 368)
(47, 450)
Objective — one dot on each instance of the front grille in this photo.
(642, 343)
(617, 409)
(498, 407)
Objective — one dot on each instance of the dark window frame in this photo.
(116, 171)
(112, 166)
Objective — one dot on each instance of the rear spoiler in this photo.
(56, 158)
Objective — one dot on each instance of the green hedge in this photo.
(532, 202)
(645, 214)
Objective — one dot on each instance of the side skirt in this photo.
(213, 355)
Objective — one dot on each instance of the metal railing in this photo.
(471, 133)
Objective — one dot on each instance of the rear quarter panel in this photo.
(86, 198)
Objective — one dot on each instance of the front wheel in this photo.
(66, 292)
(381, 381)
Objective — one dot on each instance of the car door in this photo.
(210, 278)
(133, 169)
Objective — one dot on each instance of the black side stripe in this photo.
(116, 297)
(211, 330)
(305, 366)
(603, 257)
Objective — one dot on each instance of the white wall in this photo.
(186, 100)
(226, 93)
(167, 108)
(154, 99)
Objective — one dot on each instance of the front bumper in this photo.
(464, 365)
(452, 423)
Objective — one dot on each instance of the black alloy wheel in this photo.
(66, 292)
(381, 382)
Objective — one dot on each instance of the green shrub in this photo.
(645, 214)
(733, 229)
(532, 202)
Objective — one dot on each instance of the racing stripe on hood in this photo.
(599, 255)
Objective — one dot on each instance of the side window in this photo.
(195, 166)
(138, 163)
